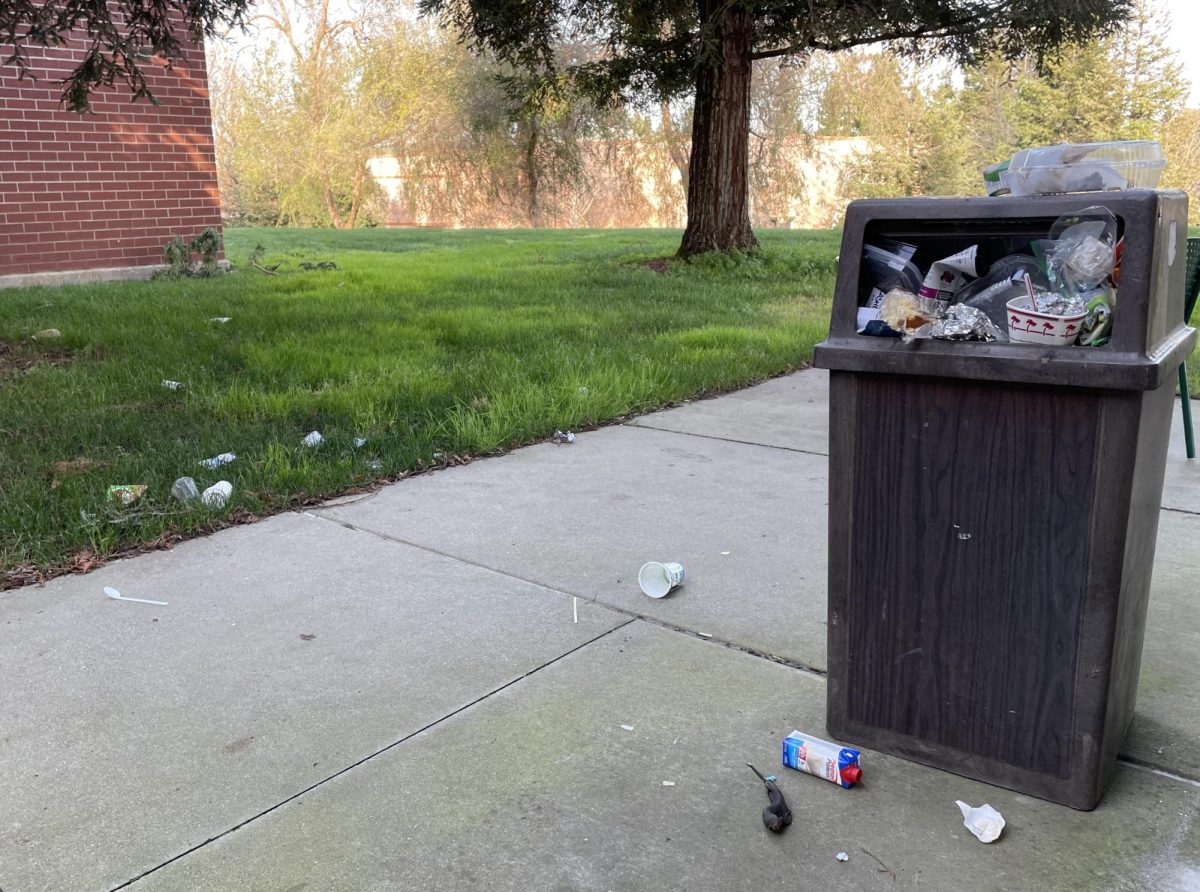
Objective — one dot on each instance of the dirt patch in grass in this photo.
(76, 466)
(17, 357)
(659, 264)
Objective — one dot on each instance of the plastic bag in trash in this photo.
(885, 267)
(1081, 251)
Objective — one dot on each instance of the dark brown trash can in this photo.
(993, 509)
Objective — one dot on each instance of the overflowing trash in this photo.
(126, 493)
(217, 460)
(217, 495)
(776, 816)
(657, 579)
(1060, 290)
(821, 758)
(985, 823)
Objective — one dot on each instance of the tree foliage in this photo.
(121, 36)
(667, 48)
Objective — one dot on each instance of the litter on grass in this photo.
(217, 460)
(117, 596)
(360, 442)
(313, 438)
(561, 437)
(126, 493)
(47, 334)
(217, 495)
(984, 822)
(184, 489)
(220, 320)
(171, 385)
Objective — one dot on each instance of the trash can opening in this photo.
(1046, 281)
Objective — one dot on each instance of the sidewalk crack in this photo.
(373, 755)
(667, 430)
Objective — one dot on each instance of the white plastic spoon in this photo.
(117, 596)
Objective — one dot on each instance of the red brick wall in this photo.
(110, 187)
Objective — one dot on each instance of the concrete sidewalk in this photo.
(393, 693)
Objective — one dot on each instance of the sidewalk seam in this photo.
(825, 455)
(624, 611)
(367, 758)
(1133, 762)
(667, 430)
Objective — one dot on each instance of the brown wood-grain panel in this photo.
(968, 564)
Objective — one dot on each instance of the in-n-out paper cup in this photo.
(1028, 326)
(658, 579)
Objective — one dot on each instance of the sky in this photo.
(1185, 39)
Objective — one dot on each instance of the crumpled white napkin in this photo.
(985, 822)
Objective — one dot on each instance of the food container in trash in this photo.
(1084, 167)
(1029, 326)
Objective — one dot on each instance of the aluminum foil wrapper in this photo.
(1060, 305)
(964, 323)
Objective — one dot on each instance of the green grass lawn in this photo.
(430, 344)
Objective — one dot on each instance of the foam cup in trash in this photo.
(657, 579)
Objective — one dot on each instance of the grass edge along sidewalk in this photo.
(432, 346)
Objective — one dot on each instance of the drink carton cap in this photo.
(851, 774)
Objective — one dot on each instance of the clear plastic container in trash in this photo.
(1083, 167)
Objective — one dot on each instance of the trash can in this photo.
(993, 508)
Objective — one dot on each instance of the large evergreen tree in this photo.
(707, 48)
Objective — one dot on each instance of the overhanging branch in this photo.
(954, 28)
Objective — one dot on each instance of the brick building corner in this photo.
(98, 195)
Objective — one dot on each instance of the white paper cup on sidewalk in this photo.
(657, 579)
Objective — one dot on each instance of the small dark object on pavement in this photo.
(306, 637)
(777, 815)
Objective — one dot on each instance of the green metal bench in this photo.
(1192, 288)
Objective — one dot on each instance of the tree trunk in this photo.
(718, 197)
(675, 145)
(356, 197)
(530, 174)
(330, 204)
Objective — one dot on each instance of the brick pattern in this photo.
(110, 187)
